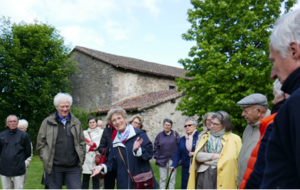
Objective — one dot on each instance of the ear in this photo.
(294, 49)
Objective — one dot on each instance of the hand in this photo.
(216, 156)
(137, 144)
(171, 169)
(206, 163)
(90, 144)
(191, 154)
(97, 170)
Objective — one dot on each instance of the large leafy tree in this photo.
(34, 66)
(230, 58)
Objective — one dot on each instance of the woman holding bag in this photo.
(92, 136)
(130, 153)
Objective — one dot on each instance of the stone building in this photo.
(140, 87)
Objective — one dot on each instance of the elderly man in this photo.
(255, 107)
(100, 124)
(61, 145)
(283, 149)
(15, 148)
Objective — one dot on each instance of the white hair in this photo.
(277, 88)
(61, 96)
(286, 30)
(11, 116)
(23, 122)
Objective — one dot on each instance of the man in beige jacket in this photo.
(255, 107)
(61, 145)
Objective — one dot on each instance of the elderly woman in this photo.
(215, 162)
(92, 136)
(23, 126)
(206, 125)
(185, 150)
(165, 145)
(130, 152)
(136, 121)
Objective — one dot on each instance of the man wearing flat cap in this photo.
(255, 107)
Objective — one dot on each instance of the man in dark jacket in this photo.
(61, 145)
(283, 149)
(15, 148)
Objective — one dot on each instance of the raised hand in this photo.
(137, 144)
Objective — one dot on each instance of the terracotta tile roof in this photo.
(134, 64)
(143, 101)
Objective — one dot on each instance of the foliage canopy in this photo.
(230, 58)
(34, 66)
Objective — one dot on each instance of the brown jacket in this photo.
(45, 145)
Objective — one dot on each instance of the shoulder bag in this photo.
(142, 180)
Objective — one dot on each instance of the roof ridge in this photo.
(134, 64)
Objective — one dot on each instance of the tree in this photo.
(230, 60)
(34, 66)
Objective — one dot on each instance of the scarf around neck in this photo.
(214, 143)
(189, 141)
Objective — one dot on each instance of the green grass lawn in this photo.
(35, 172)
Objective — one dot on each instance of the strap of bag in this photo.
(90, 137)
(125, 164)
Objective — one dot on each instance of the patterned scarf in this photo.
(214, 143)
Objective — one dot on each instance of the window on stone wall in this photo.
(171, 87)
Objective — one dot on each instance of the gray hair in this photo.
(115, 110)
(11, 116)
(60, 96)
(206, 116)
(286, 30)
(168, 121)
(195, 122)
(277, 88)
(224, 119)
(23, 122)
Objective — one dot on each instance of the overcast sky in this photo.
(144, 29)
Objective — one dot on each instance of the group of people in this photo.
(214, 158)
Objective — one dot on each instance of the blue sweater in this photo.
(283, 149)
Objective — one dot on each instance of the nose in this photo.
(273, 73)
(243, 114)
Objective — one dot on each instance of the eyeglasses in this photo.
(117, 119)
(215, 124)
(14, 121)
(189, 125)
(139, 124)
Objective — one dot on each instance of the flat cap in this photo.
(253, 99)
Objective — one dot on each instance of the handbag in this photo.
(99, 159)
(142, 180)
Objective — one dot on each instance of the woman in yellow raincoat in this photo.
(215, 162)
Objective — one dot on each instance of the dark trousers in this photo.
(109, 179)
(86, 181)
(59, 174)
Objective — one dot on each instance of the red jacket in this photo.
(264, 123)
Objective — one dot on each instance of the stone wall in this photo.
(153, 118)
(92, 85)
(128, 84)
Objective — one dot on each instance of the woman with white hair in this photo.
(130, 153)
(23, 126)
(185, 150)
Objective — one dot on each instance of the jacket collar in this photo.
(73, 119)
(132, 133)
(292, 82)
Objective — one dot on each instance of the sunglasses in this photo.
(188, 125)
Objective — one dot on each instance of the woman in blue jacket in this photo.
(130, 149)
(185, 150)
